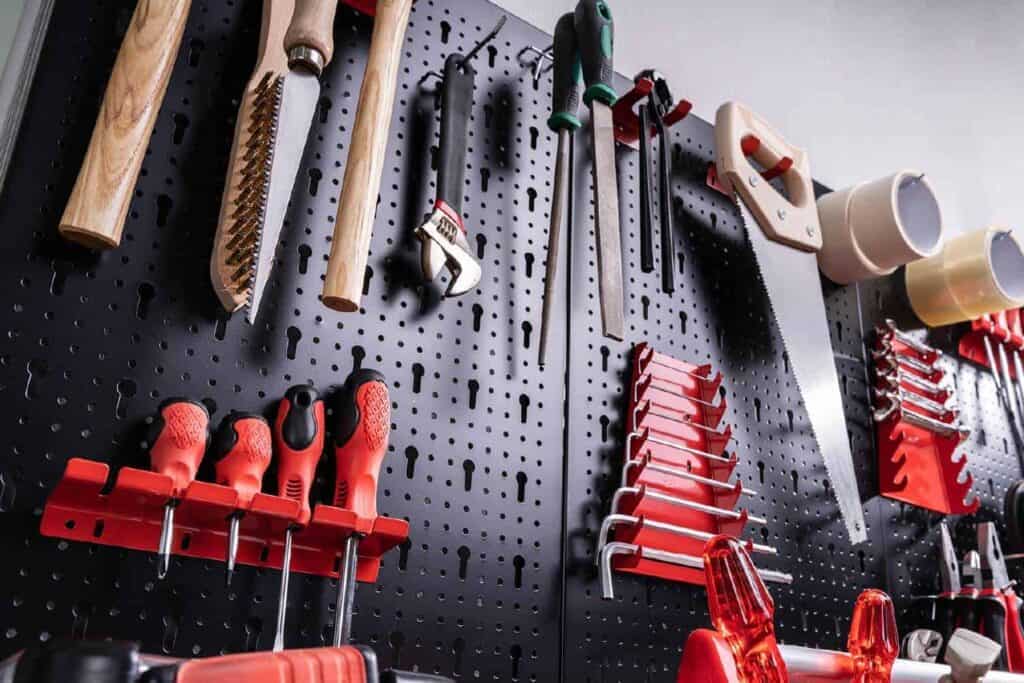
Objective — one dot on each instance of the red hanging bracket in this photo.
(749, 144)
(627, 122)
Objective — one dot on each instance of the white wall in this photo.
(10, 12)
(866, 86)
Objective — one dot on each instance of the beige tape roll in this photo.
(975, 274)
(871, 229)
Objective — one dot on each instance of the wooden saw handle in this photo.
(313, 26)
(343, 287)
(95, 212)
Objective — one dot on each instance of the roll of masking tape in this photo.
(871, 229)
(975, 274)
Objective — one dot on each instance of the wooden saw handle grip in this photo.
(343, 287)
(313, 26)
(95, 212)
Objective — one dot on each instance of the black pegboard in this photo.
(503, 469)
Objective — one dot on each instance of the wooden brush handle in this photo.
(95, 212)
(343, 287)
(313, 26)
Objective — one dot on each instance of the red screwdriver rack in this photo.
(676, 474)
(130, 516)
(627, 122)
(918, 427)
(1004, 329)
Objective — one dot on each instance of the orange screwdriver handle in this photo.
(299, 443)
(178, 436)
(363, 423)
(874, 642)
(322, 665)
(242, 449)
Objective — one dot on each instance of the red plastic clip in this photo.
(1000, 328)
(130, 516)
(627, 123)
(749, 144)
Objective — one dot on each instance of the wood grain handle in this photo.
(343, 287)
(313, 26)
(95, 212)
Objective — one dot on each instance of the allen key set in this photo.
(675, 494)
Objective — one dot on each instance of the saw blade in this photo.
(298, 97)
(794, 291)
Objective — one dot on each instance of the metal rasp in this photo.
(309, 44)
(785, 234)
(595, 36)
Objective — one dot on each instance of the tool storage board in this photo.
(503, 469)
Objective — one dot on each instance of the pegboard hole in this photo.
(524, 406)
(195, 51)
(97, 528)
(516, 654)
(446, 31)
(304, 254)
(367, 277)
(181, 123)
(528, 257)
(527, 328)
(403, 555)
(417, 377)
(605, 352)
(645, 303)
(164, 204)
(478, 314)
(358, 354)
(481, 242)
(605, 421)
(294, 336)
(518, 562)
(253, 630)
(521, 480)
(36, 369)
(531, 195)
(397, 642)
(170, 636)
(315, 175)
(125, 389)
(468, 467)
(464, 554)
(534, 137)
(760, 471)
(757, 409)
(485, 178)
(323, 108)
(682, 321)
(474, 389)
(146, 294)
(492, 55)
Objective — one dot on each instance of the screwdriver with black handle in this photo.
(242, 450)
(595, 35)
(362, 423)
(565, 104)
(177, 437)
(299, 445)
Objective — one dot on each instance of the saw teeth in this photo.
(249, 203)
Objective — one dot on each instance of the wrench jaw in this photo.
(444, 244)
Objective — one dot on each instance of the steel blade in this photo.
(606, 210)
(559, 202)
(794, 290)
(299, 96)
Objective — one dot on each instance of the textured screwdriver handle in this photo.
(353, 228)
(178, 440)
(298, 442)
(565, 91)
(362, 428)
(313, 27)
(95, 212)
(326, 664)
(595, 34)
(242, 449)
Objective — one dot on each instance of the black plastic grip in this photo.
(992, 624)
(596, 35)
(65, 661)
(226, 437)
(945, 622)
(300, 427)
(646, 216)
(456, 104)
(565, 91)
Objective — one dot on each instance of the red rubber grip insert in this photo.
(245, 464)
(181, 443)
(359, 459)
(296, 469)
(318, 665)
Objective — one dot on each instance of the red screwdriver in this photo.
(177, 438)
(242, 447)
(363, 422)
(299, 443)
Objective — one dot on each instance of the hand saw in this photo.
(785, 235)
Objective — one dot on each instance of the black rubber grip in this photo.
(300, 427)
(646, 217)
(456, 104)
(596, 36)
(966, 612)
(565, 91)
(945, 622)
(992, 624)
(346, 412)
(66, 661)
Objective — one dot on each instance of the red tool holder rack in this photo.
(131, 514)
(1005, 328)
(627, 122)
(675, 448)
(917, 461)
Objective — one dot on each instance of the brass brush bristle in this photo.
(250, 200)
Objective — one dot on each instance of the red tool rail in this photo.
(131, 514)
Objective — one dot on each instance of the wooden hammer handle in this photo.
(343, 287)
(95, 212)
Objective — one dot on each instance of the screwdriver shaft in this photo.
(236, 520)
(346, 591)
(559, 204)
(282, 600)
(166, 539)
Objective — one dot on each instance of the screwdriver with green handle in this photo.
(595, 35)
(565, 103)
